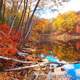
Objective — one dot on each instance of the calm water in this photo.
(69, 51)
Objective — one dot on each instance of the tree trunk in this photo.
(28, 26)
(1, 4)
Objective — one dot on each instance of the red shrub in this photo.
(8, 43)
(4, 28)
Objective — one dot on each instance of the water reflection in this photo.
(69, 51)
(64, 45)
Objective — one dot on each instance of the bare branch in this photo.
(25, 67)
(29, 24)
(14, 19)
(30, 20)
(16, 60)
(22, 16)
(25, 27)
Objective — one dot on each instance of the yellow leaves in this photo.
(65, 21)
(70, 19)
(59, 22)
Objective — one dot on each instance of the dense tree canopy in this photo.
(66, 21)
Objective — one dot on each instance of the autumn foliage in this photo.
(66, 21)
(43, 32)
(8, 42)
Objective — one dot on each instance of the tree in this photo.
(28, 10)
(66, 21)
(12, 41)
(1, 6)
(27, 23)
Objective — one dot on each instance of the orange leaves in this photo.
(8, 43)
(12, 51)
(59, 54)
(78, 45)
(8, 52)
(31, 58)
(42, 22)
(15, 37)
(4, 28)
(41, 25)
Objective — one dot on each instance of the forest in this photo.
(24, 36)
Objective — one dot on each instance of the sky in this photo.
(72, 5)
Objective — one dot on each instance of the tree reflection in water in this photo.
(69, 51)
